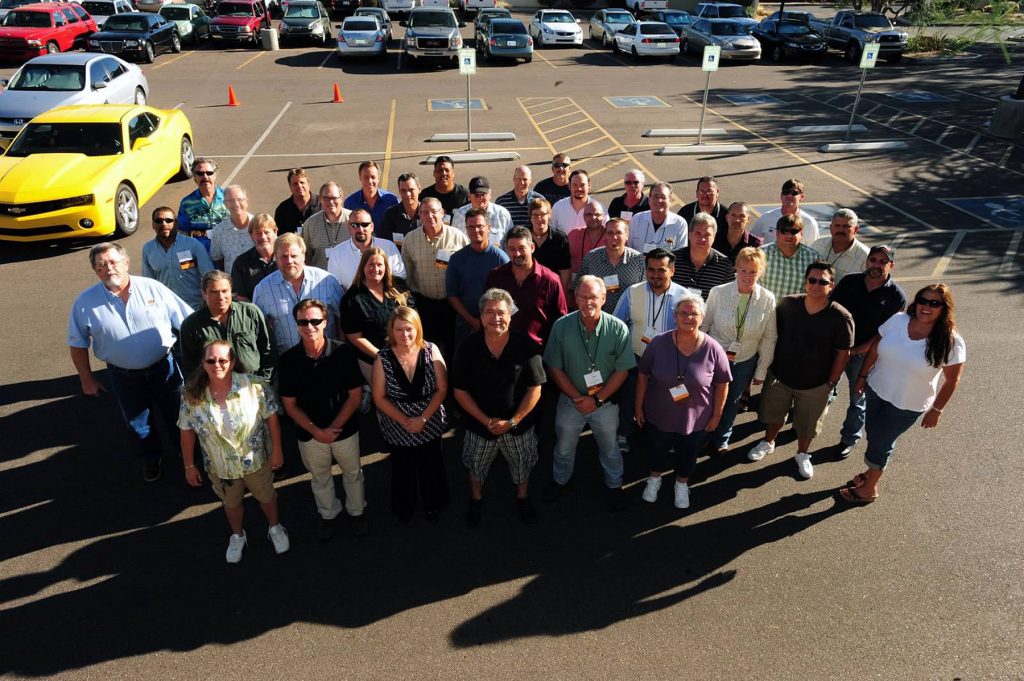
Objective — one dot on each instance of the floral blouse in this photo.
(232, 451)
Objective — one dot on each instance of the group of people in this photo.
(543, 312)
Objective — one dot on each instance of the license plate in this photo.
(510, 43)
(662, 44)
(362, 42)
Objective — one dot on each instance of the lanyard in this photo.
(741, 321)
(586, 343)
(838, 256)
(647, 231)
(654, 320)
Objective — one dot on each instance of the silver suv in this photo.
(433, 33)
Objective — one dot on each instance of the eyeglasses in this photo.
(818, 281)
(706, 192)
(163, 221)
(218, 360)
(360, 225)
(309, 322)
(108, 265)
(204, 173)
(559, 165)
(332, 199)
(793, 192)
(792, 232)
(631, 183)
(930, 302)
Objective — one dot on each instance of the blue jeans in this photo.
(145, 395)
(684, 458)
(885, 423)
(604, 423)
(854, 423)
(627, 402)
(742, 372)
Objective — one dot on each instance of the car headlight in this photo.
(410, 39)
(456, 40)
(790, 43)
(83, 200)
(547, 30)
(904, 37)
(284, 27)
(316, 27)
(94, 43)
(186, 28)
(34, 43)
(131, 43)
(245, 29)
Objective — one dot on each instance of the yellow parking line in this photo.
(568, 137)
(172, 60)
(606, 168)
(548, 120)
(545, 59)
(249, 61)
(547, 111)
(563, 127)
(535, 126)
(618, 145)
(586, 144)
(547, 100)
(387, 144)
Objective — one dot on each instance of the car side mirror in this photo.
(99, 85)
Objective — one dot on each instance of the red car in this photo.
(42, 28)
(240, 21)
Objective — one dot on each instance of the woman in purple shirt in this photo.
(681, 388)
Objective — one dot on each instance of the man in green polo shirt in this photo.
(242, 324)
(588, 356)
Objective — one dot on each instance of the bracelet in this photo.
(189, 466)
(936, 410)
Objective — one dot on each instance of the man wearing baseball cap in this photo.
(480, 198)
(871, 297)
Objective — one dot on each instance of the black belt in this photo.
(136, 371)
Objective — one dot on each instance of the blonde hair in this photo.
(753, 255)
(261, 220)
(286, 241)
(406, 314)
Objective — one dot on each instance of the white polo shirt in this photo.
(565, 218)
(643, 237)
(343, 260)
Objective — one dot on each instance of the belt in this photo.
(136, 371)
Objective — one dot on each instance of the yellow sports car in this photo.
(81, 171)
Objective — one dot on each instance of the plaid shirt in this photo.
(785, 276)
(420, 255)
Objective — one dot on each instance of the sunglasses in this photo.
(204, 173)
(921, 300)
(821, 281)
(164, 221)
(309, 322)
(793, 232)
(793, 192)
(559, 165)
(221, 361)
(360, 225)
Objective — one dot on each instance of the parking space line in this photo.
(173, 59)
(975, 96)
(547, 111)
(606, 168)
(569, 125)
(812, 164)
(895, 243)
(947, 257)
(178, 105)
(387, 144)
(257, 143)
(973, 143)
(917, 125)
(575, 134)
(1005, 157)
(249, 60)
(829, 100)
(586, 144)
(872, 109)
(892, 118)
(326, 59)
(375, 153)
(545, 122)
(547, 100)
(536, 127)
(1011, 251)
(545, 59)
(945, 133)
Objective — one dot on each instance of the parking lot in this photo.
(765, 577)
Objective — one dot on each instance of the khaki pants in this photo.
(319, 459)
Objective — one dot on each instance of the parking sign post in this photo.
(867, 61)
(712, 55)
(467, 67)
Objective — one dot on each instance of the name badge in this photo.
(515, 309)
(611, 282)
(694, 291)
(626, 215)
(649, 334)
(649, 247)
(732, 350)
(186, 260)
(441, 259)
(398, 238)
(679, 393)
(447, 219)
(594, 382)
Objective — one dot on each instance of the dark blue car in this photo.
(136, 35)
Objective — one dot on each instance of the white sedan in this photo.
(647, 39)
(555, 27)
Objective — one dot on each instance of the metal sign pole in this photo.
(856, 101)
(704, 109)
(469, 116)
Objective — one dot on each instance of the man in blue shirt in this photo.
(465, 280)
(131, 324)
(177, 261)
(371, 198)
(203, 209)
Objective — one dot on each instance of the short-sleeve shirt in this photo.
(289, 218)
(565, 217)
(630, 270)
(497, 216)
(784, 276)
(764, 227)
(343, 260)
(228, 242)
(807, 343)
(578, 352)
(518, 210)
(618, 208)
(466, 276)
(276, 298)
(581, 244)
(644, 236)
(539, 300)
(197, 216)
(497, 384)
(717, 270)
(551, 191)
(667, 368)
(723, 246)
(426, 275)
(869, 308)
(396, 224)
(180, 267)
(902, 375)
(456, 198)
(362, 313)
(554, 252)
(321, 385)
(718, 213)
(385, 199)
(246, 330)
(850, 261)
(249, 270)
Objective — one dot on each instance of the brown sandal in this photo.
(857, 480)
(850, 495)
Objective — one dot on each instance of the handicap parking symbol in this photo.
(919, 96)
(637, 102)
(1000, 211)
(455, 105)
(743, 100)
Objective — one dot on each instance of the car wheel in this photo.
(188, 157)
(52, 48)
(540, 40)
(777, 53)
(635, 54)
(140, 96)
(605, 42)
(529, 59)
(126, 211)
(686, 47)
(149, 57)
(851, 53)
(175, 44)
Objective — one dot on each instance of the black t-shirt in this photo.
(554, 252)
(551, 191)
(718, 213)
(498, 384)
(288, 216)
(456, 198)
(618, 205)
(362, 313)
(395, 222)
(248, 270)
(807, 344)
(320, 386)
(870, 309)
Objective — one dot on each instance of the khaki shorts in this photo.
(809, 406)
(260, 483)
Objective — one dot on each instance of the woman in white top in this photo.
(912, 369)
(741, 317)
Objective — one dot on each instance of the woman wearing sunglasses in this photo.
(911, 370)
(233, 416)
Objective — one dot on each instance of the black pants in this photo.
(418, 468)
(438, 319)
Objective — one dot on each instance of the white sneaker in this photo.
(650, 494)
(279, 536)
(235, 546)
(761, 450)
(803, 465)
(682, 495)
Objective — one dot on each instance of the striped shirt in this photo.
(717, 270)
(630, 270)
(785, 276)
(520, 212)
(420, 253)
(319, 235)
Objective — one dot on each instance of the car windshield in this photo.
(619, 18)
(728, 28)
(558, 18)
(91, 139)
(726, 12)
(370, 12)
(871, 21)
(794, 28)
(677, 18)
(175, 13)
(443, 19)
(301, 12)
(95, 7)
(363, 25)
(49, 77)
(126, 23)
(28, 19)
(508, 27)
(655, 29)
(234, 9)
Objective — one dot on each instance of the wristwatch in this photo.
(597, 401)
(512, 422)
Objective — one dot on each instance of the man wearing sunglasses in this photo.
(633, 200)
(790, 199)
(204, 208)
(177, 261)
(556, 187)
(343, 259)
(787, 258)
(813, 347)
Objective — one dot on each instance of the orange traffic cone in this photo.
(338, 99)
(232, 100)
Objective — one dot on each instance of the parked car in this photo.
(466, 6)
(7, 5)
(789, 39)
(647, 39)
(605, 23)
(344, 8)
(555, 27)
(396, 7)
(432, 33)
(488, 13)
(790, 15)
(306, 20)
(362, 37)
(55, 80)
(505, 39)
(849, 31)
(677, 19)
(638, 7)
(42, 28)
(99, 10)
(101, 163)
(737, 44)
(137, 35)
(378, 13)
(240, 21)
(155, 5)
(724, 10)
(192, 22)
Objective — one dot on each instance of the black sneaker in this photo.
(552, 491)
(843, 450)
(474, 512)
(360, 527)
(324, 529)
(616, 500)
(151, 470)
(527, 513)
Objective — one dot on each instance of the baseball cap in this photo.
(884, 250)
(479, 184)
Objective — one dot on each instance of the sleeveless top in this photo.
(411, 398)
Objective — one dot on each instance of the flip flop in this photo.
(849, 495)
